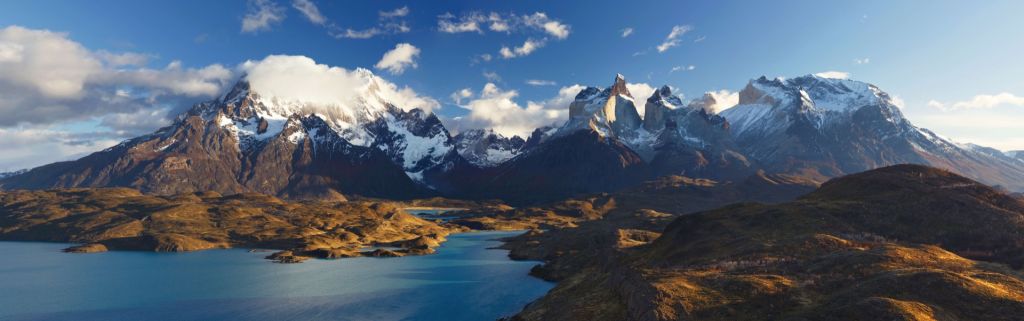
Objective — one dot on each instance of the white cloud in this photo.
(397, 60)
(528, 47)
(984, 101)
(399, 12)
(30, 146)
(898, 101)
(309, 9)
(492, 76)
(833, 74)
(472, 22)
(467, 23)
(699, 39)
(461, 94)
(627, 32)
(388, 23)
(682, 68)
(672, 39)
(46, 78)
(640, 91)
(498, 23)
(998, 127)
(262, 14)
(862, 61)
(540, 20)
(724, 99)
(299, 78)
(540, 82)
(496, 108)
(124, 58)
(538, 24)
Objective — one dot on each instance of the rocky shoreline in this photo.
(108, 219)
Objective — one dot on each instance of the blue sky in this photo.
(955, 65)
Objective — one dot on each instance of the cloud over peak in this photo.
(300, 78)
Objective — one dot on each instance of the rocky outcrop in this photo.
(124, 219)
(904, 242)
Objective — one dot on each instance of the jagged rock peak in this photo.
(619, 87)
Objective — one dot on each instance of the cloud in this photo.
(124, 58)
(261, 15)
(540, 20)
(528, 47)
(672, 39)
(724, 99)
(538, 25)
(492, 76)
(45, 77)
(389, 22)
(997, 127)
(640, 91)
(627, 32)
(395, 61)
(399, 12)
(862, 61)
(833, 74)
(506, 23)
(30, 146)
(300, 78)
(984, 101)
(461, 94)
(468, 23)
(496, 109)
(700, 39)
(309, 9)
(539, 82)
(682, 68)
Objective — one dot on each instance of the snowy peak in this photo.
(767, 105)
(823, 94)
(619, 87)
(486, 148)
(658, 106)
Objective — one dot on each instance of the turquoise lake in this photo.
(464, 281)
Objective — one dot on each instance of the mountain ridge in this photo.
(249, 141)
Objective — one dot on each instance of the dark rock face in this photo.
(580, 162)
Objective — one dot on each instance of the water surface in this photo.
(463, 281)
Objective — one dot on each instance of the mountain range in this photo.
(250, 141)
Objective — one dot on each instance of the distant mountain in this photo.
(12, 173)
(485, 148)
(1016, 154)
(821, 127)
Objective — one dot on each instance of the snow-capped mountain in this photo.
(1016, 154)
(823, 127)
(254, 141)
(364, 143)
(12, 173)
(674, 137)
(486, 148)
